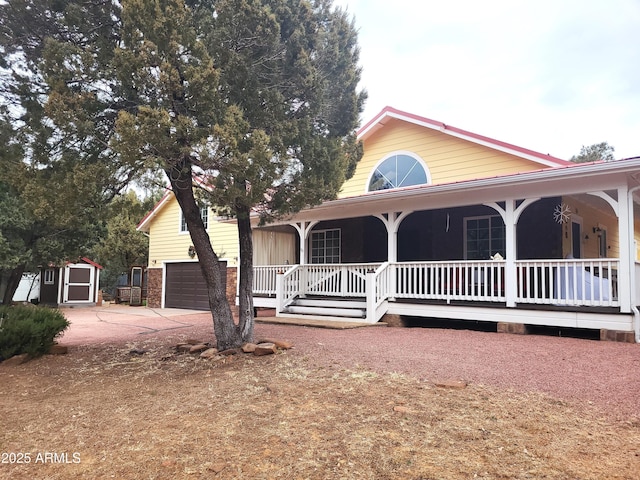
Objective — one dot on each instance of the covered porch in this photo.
(561, 253)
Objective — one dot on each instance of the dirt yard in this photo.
(362, 403)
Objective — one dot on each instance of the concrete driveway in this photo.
(111, 322)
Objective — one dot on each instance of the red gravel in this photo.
(605, 374)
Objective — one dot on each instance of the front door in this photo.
(78, 283)
(576, 237)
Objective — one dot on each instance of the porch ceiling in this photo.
(573, 180)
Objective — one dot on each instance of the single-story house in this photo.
(72, 284)
(436, 222)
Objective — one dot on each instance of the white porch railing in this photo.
(264, 278)
(573, 282)
(335, 280)
(288, 287)
(459, 280)
(378, 292)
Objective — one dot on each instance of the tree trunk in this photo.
(12, 284)
(223, 325)
(245, 282)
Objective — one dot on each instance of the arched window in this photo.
(398, 170)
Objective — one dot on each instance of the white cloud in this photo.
(546, 75)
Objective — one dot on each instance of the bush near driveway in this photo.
(28, 329)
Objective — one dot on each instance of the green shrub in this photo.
(29, 329)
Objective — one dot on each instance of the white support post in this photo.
(392, 251)
(510, 218)
(279, 292)
(371, 296)
(303, 228)
(510, 274)
(238, 283)
(392, 221)
(625, 233)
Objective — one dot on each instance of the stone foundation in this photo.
(617, 336)
(515, 328)
(393, 320)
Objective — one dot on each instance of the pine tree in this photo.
(250, 104)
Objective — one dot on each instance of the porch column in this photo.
(625, 234)
(510, 215)
(392, 221)
(303, 228)
(510, 275)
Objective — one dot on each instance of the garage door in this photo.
(185, 287)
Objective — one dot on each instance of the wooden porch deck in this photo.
(557, 293)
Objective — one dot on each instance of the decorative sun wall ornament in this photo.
(562, 213)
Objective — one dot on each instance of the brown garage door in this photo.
(185, 287)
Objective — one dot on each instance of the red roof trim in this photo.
(155, 208)
(410, 117)
(85, 260)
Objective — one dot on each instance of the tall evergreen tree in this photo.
(288, 75)
(598, 152)
(61, 108)
(256, 99)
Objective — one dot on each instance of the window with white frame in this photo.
(484, 237)
(325, 246)
(49, 276)
(398, 170)
(204, 214)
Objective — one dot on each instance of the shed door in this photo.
(78, 283)
(185, 287)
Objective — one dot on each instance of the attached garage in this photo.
(185, 286)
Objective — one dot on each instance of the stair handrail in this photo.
(288, 287)
(377, 292)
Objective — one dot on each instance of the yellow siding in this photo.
(448, 158)
(594, 213)
(166, 242)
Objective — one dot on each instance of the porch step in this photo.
(328, 311)
(330, 303)
(320, 320)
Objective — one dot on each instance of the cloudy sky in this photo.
(549, 75)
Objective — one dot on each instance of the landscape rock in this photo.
(230, 351)
(454, 384)
(58, 349)
(281, 344)
(217, 467)
(201, 347)
(248, 347)
(265, 349)
(16, 360)
(209, 353)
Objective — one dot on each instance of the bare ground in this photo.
(359, 403)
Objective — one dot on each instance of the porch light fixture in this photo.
(597, 229)
(192, 251)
